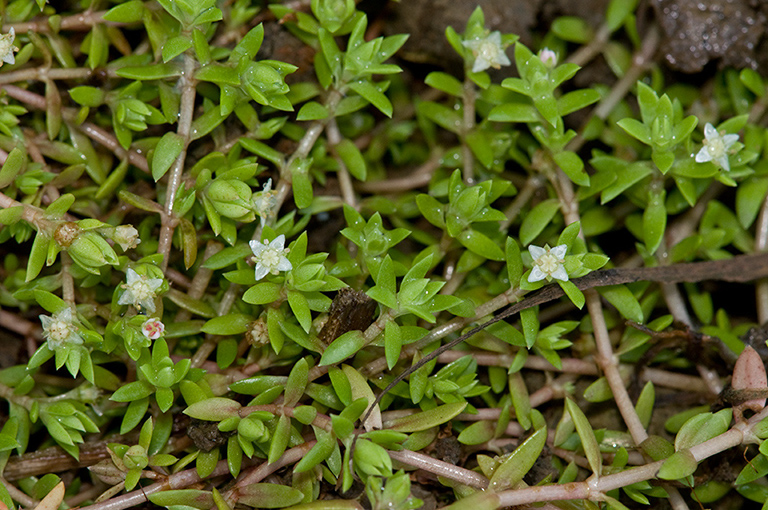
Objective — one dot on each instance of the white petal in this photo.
(131, 276)
(536, 251)
(710, 132)
(278, 243)
(126, 298)
(480, 65)
(256, 246)
(536, 275)
(149, 305)
(729, 140)
(560, 274)
(8, 58)
(284, 264)
(154, 283)
(503, 59)
(559, 251)
(261, 271)
(724, 163)
(46, 323)
(703, 155)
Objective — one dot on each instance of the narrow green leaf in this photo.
(515, 467)
(427, 419)
(342, 348)
(230, 324)
(587, 436)
(373, 95)
(680, 465)
(167, 150)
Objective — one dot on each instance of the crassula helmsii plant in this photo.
(230, 294)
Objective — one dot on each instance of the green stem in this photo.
(186, 113)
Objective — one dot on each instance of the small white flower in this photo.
(7, 48)
(60, 329)
(548, 263)
(126, 236)
(488, 52)
(716, 147)
(153, 328)
(548, 58)
(259, 333)
(270, 258)
(264, 201)
(139, 290)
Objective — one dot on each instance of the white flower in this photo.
(153, 328)
(264, 201)
(548, 58)
(139, 290)
(270, 258)
(716, 147)
(126, 236)
(7, 48)
(548, 263)
(259, 333)
(60, 329)
(488, 52)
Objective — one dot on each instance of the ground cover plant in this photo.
(251, 257)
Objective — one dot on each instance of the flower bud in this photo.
(90, 250)
(136, 458)
(66, 233)
(126, 236)
(231, 198)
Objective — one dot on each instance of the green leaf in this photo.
(514, 112)
(230, 324)
(680, 465)
(280, 440)
(373, 95)
(300, 308)
(515, 467)
(202, 500)
(587, 436)
(576, 100)
(427, 419)
(133, 391)
(175, 46)
(538, 219)
(624, 301)
(323, 449)
(701, 428)
(264, 293)
(572, 29)
(150, 72)
(220, 74)
(167, 150)
(573, 167)
(313, 111)
(752, 80)
(598, 391)
(654, 221)
(15, 164)
(480, 144)
(618, 11)
(297, 382)
(50, 302)
(126, 12)
(343, 347)
(352, 158)
(514, 262)
(637, 129)
(477, 433)
(393, 343)
(480, 244)
(749, 199)
(445, 82)
(269, 495)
